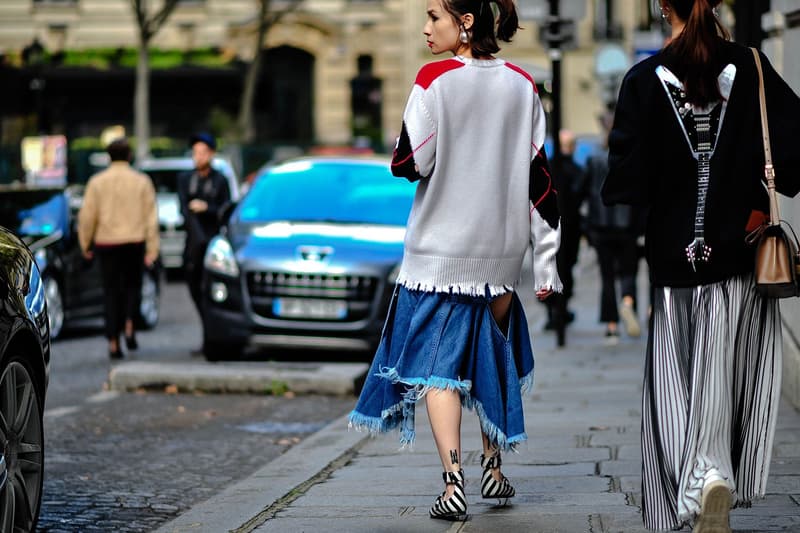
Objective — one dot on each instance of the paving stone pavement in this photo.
(578, 472)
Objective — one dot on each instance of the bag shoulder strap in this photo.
(769, 170)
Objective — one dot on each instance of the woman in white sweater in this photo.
(473, 135)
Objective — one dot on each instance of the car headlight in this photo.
(392, 277)
(219, 257)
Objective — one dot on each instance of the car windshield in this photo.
(165, 180)
(33, 212)
(328, 191)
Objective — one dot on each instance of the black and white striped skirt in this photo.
(711, 392)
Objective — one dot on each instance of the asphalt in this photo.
(578, 472)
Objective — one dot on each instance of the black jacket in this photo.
(651, 164)
(213, 188)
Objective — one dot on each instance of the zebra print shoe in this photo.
(490, 487)
(454, 507)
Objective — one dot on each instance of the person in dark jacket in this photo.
(613, 232)
(687, 144)
(567, 181)
(203, 193)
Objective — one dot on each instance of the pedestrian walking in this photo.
(203, 193)
(687, 144)
(613, 232)
(568, 179)
(473, 137)
(118, 222)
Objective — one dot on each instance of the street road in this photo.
(129, 462)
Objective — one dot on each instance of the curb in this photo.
(260, 378)
(244, 506)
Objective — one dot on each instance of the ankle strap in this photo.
(493, 461)
(453, 478)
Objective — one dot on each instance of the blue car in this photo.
(308, 259)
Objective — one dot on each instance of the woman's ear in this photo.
(467, 21)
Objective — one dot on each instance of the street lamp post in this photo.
(555, 39)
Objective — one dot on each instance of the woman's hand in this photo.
(544, 293)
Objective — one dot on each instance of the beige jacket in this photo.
(119, 207)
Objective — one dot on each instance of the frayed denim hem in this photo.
(402, 413)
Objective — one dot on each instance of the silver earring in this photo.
(463, 37)
(664, 13)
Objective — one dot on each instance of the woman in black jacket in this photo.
(686, 144)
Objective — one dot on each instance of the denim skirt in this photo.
(435, 340)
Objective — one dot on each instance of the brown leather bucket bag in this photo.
(777, 268)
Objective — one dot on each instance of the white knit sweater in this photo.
(473, 134)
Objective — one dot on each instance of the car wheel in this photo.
(221, 351)
(55, 306)
(22, 441)
(149, 310)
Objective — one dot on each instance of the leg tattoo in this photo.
(454, 457)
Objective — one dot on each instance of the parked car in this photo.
(309, 258)
(46, 220)
(24, 373)
(164, 172)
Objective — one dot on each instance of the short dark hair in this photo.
(119, 150)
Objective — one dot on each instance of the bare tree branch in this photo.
(161, 17)
(267, 18)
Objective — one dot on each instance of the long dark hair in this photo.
(484, 37)
(697, 49)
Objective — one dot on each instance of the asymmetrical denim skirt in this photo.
(446, 341)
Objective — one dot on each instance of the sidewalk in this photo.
(579, 471)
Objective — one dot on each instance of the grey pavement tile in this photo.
(784, 466)
(629, 452)
(621, 468)
(630, 483)
(785, 450)
(534, 522)
(778, 484)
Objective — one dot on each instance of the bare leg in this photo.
(129, 328)
(444, 412)
(500, 307)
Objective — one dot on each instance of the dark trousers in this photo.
(122, 268)
(193, 267)
(618, 258)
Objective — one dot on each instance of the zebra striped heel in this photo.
(455, 507)
(490, 487)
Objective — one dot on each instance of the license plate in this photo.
(309, 308)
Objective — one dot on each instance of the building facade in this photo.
(320, 58)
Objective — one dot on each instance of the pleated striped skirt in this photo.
(711, 392)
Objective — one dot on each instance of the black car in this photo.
(46, 220)
(24, 368)
(308, 259)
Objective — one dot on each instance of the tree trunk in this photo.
(141, 103)
(245, 122)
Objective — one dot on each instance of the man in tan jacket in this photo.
(118, 222)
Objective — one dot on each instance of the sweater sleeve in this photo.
(627, 158)
(415, 151)
(545, 227)
(87, 217)
(151, 221)
(783, 113)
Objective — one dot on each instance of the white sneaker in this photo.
(631, 321)
(715, 508)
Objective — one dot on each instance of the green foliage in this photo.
(277, 388)
(104, 58)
